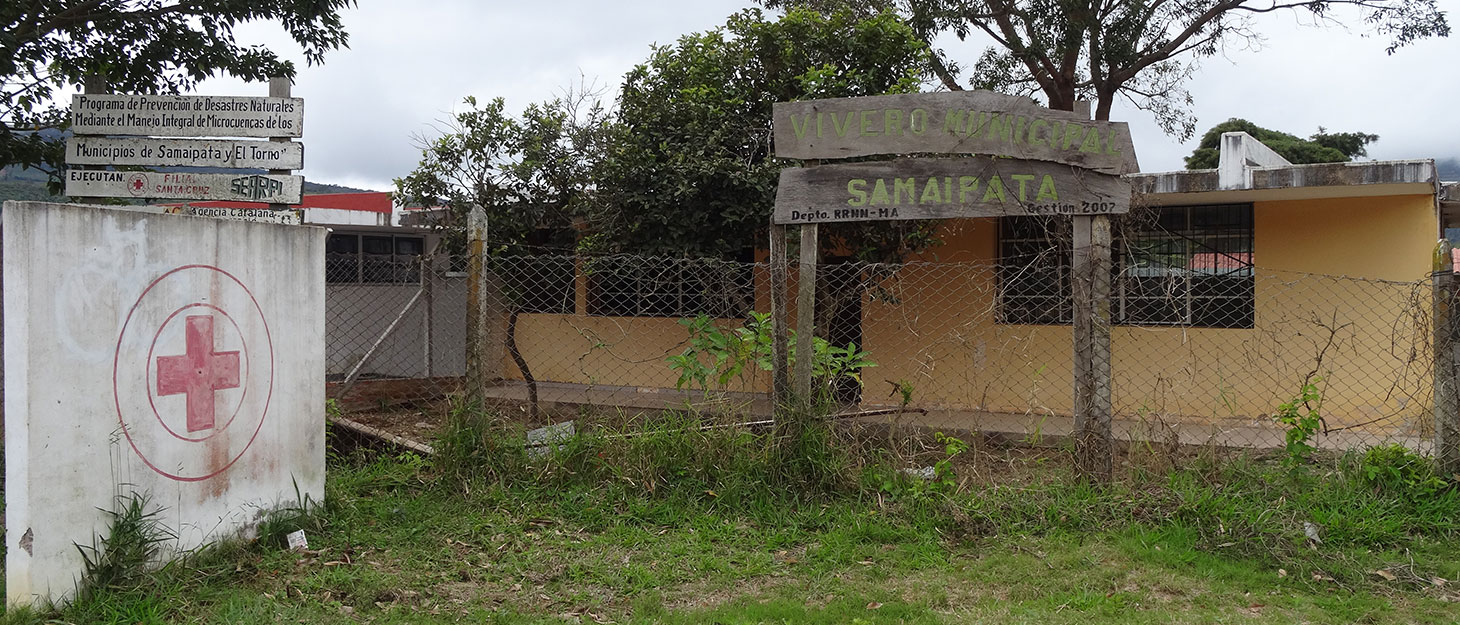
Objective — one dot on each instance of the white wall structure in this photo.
(177, 357)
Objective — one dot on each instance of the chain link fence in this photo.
(1202, 352)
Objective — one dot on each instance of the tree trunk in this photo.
(532, 410)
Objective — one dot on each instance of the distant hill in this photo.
(1449, 168)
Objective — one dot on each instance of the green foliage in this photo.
(527, 172)
(1394, 468)
(1322, 147)
(691, 169)
(139, 46)
(1141, 51)
(304, 514)
(941, 481)
(715, 357)
(672, 455)
(1301, 416)
(127, 552)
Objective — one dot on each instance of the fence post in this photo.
(806, 313)
(428, 323)
(1447, 395)
(477, 320)
(780, 320)
(1090, 286)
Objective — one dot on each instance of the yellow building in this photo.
(1232, 288)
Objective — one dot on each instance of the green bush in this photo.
(1394, 468)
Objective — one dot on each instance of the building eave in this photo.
(1289, 182)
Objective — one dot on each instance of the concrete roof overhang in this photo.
(1288, 182)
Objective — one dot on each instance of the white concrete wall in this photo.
(341, 217)
(101, 310)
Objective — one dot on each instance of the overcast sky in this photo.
(410, 64)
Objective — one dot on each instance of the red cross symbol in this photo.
(198, 373)
(137, 184)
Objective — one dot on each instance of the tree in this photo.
(691, 171)
(1322, 147)
(529, 174)
(136, 46)
(1141, 50)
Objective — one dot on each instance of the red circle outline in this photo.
(242, 398)
(116, 362)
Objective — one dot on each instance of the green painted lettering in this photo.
(918, 121)
(801, 128)
(1019, 128)
(904, 185)
(994, 189)
(1034, 136)
(856, 187)
(932, 194)
(999, 127)
(867, 128)
(953, 121)
(966, 185)
(976, 121)
(879, 193)
(1110, 145)
(842, 126)
(1055, 130)
(1092, 142)
(892, 122)
(1073, 134)
(1023, 181)
(1046, 190)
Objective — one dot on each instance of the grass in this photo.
(691, 526)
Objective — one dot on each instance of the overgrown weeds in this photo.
(672, 452)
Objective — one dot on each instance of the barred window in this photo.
(1189, 265)
(628, 286)
(373, 259)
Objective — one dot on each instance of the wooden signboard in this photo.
(965, 122)
(187, 115)
(241, 187)
(150, 152)
(939, 188)
(262, 215)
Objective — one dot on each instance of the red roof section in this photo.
(370, 201)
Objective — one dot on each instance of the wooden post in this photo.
(428, 292)
(1090, 285)
(280, 87)
(477, 307)
(806, 313)
(95, 84)
(780, 320)
(1447, 393)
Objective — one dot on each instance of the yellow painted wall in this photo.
(933, 325)
(940, 332)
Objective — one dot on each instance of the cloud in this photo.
(410, 64)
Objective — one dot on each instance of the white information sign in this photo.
(260, 215)
(273, 189)
(149, 152)
(187, 116)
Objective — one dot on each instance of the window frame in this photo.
(359, 259)
(1194, 239)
